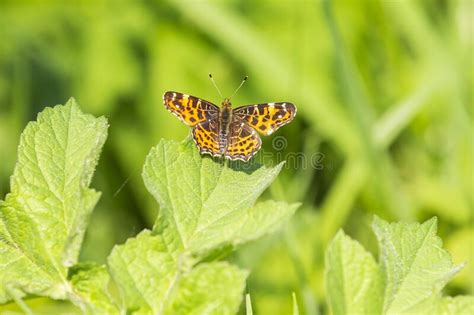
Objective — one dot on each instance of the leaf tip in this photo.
(296, 310)
(248, 305)
(71, 102)
(432, 223)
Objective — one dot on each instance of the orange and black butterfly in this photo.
(228, 132)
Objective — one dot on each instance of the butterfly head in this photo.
(226, 103)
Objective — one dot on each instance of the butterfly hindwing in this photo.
(189, 109)
(243, 141)
(206, 137)
(267, 117)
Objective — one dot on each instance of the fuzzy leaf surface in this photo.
(353, 278)
(211, 204)
(415, 266)
(413, 269)
(90, 282)
(44, 217)
(155, 278)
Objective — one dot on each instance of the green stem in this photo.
(309, 300)
(21, 304)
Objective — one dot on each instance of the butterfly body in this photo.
(224, 131)
(225, 118)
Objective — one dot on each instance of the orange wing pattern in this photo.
(243, 141)
(189, 109)
(267, 117)
(206, 137)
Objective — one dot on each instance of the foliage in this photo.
(169, 270)
(384, 97)
(413, 270)
(43, 219)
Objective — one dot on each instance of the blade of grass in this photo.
(296, 311)
(397, 117)
(359, 106)
(309, 299)
(248, 305)
(338, 203)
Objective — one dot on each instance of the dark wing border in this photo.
(266, 118)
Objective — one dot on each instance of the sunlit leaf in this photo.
(155, 277)
(211, 203)
(413, 270)
(90, 282)
(43, 218)
(413, 262)
(353, 279)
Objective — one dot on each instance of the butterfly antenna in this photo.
(215, 85)
(243, 81)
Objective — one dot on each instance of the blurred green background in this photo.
(384, 96)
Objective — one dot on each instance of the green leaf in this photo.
(353, 279)
(90, 282)
(43, 219)
(211, 204)
(413, 270)
(144, 268)
(154, 277)
(210, 288)
(414, 264)
(206, 208)
(437, 305)
(458, 305)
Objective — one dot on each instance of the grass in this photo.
(383, 89)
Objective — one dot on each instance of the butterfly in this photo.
(224, 131)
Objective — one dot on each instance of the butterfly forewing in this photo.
(190, 109)
(206, 137)
(243, 141)
(267, 117)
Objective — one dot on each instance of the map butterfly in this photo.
(224, 131)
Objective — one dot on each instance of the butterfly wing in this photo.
(190, 109)
(243, 141)
(206, 137)
(267, 117)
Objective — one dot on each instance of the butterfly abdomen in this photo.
(225, 120)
